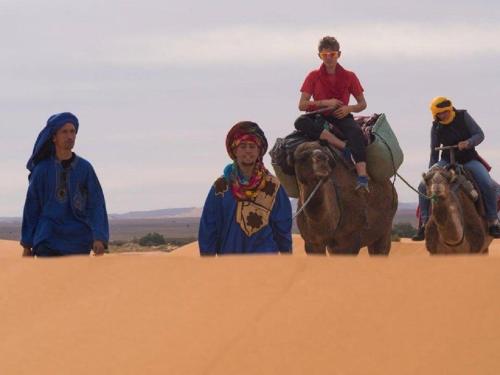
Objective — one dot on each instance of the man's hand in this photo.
(98, 247)
(342, 112)
(464, 145)
(27, 252)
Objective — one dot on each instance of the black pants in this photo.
(314, 126)
(43, 250)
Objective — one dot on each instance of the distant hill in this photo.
(171, 222)
(159, 214)
(405, 209)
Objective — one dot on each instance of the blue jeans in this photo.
(487, 186)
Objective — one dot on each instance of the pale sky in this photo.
(157, 84)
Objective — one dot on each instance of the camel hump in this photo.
(383, 155)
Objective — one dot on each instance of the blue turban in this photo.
(43, 146)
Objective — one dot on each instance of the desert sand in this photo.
(177, 313)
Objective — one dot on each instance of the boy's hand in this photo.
(331, 103)
(342, 111)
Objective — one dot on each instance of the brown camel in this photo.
(338, 218)
(455, 225)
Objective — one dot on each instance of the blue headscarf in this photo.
(43, 146)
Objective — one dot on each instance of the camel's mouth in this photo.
(312, 164)
(320, 164)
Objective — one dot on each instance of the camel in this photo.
(455, 225)
(337, 218)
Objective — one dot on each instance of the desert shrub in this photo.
(403, 230)
(152, 239)
(117, 243)
(181, 241)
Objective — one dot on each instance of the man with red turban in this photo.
(246, 211)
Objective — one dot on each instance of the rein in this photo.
(320, 182)
(431, 197)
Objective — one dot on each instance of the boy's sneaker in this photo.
(362, 185)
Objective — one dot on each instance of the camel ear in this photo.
(332, 163)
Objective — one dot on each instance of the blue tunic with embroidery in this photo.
(65, 208)
(220, 233)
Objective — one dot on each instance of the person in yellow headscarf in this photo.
(451, 127)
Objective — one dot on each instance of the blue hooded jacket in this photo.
(65, 208)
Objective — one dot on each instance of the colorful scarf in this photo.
(243, 137)
(246, 189)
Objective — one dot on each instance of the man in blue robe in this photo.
(247, 210)
(64, 212)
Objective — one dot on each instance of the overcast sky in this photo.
(157, 84)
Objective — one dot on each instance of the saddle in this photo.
(364, 122)
(383, 153)
(284, 147)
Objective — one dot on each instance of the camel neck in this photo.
(323, 203)
(448, 217)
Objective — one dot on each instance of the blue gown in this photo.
(220, 233)
(65, 208)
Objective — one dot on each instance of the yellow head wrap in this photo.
(441, 104)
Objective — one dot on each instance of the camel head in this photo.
(438, 181)
(312, 162)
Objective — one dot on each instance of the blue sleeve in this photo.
(477, 135)
(281, 221)
(96, 209)
(32, 208)
(434, 143)
(208, 237)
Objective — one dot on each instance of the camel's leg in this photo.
(382, 246)
(315, 248)
(431, 237)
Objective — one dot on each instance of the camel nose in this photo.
(438, 190)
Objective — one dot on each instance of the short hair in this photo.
(328, 42)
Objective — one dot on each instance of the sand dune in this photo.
(177, 313)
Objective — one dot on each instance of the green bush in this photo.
(403, 230)
(395, 238)
(152, 239)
